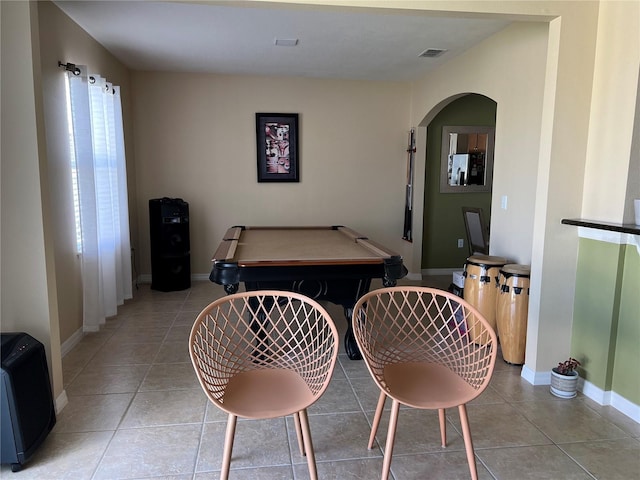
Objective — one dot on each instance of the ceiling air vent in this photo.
(285, 42)
(432, 52)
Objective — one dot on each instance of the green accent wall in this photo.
(625, 376)
(443, 223)
(606, 321)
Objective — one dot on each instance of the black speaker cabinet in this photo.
(26, 403)
(170, 246)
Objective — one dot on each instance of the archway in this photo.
(443, 224)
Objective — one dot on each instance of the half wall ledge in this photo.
(612, 227)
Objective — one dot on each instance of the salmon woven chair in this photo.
(264, 354)
(425, 348)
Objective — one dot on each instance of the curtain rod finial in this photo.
(70, 67)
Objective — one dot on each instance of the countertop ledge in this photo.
(613, 227)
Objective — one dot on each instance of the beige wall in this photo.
(195, 139)
(615, 90)
(28, 296)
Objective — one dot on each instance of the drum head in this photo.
(486, 260)
(517, 270)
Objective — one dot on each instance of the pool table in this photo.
(333, 263)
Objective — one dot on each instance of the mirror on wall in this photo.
(467, 159)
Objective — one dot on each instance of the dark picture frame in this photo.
(277, 147)
(467, 159)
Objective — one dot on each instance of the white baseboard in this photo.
(414, 276)
(536, 378)
(623, 405)
(146, 277)
(61, 401)
(611, 398)
(589, 390)
(71, 342)
(601, 397)
(440, 271)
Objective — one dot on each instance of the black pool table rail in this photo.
(340, 281)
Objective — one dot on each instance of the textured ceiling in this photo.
(232, 38)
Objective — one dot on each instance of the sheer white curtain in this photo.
(98, 145)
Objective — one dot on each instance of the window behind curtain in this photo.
(74, 170)
(99, 180)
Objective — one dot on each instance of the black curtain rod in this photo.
(70, 67)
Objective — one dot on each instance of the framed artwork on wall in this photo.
(277, 146)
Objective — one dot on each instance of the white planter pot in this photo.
(564, 386)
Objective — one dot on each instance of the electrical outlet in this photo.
(460, 242)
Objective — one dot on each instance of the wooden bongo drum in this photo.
(512, 307)
(480, 285)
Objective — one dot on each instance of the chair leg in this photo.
(308, 445)
(296, 421)
(443, 426)
(228, 446)
(391, 437)
(468, 443)
(376, 419)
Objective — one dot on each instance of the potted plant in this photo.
(564, 379)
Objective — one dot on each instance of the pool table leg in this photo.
(231, 288)
(350, 344)
(388, 282)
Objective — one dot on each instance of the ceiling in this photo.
(232, 38)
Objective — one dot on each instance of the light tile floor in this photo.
(136, 411)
